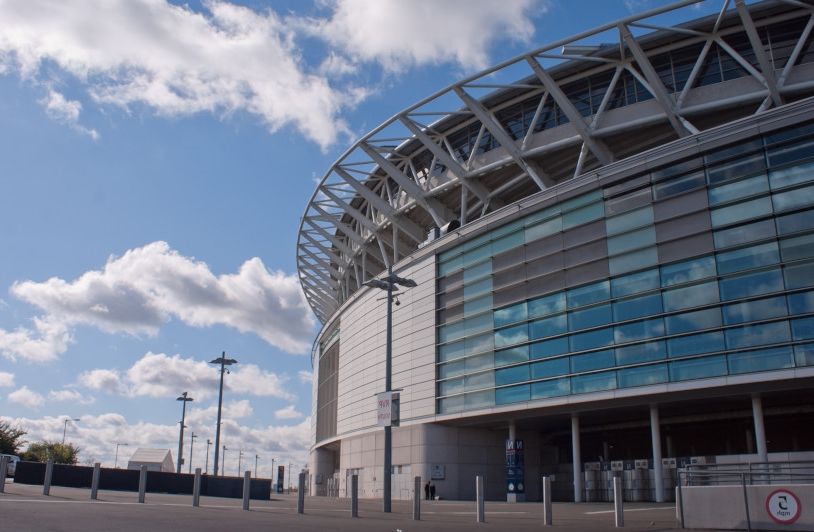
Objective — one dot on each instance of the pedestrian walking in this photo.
(427, 491)
(432, 491)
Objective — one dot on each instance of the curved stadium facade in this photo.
(614, 259)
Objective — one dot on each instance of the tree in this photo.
(44, 450)
(11, 438)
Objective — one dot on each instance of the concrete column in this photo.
(671, 452)
(247, 489)
(94, 483)
(576, 457)
(655, 436)
(196, 488)
(512, 430)
(760, 430)
(3, 470)
(49, 472)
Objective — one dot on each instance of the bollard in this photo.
(417, 499)
(481, 517)
(618, 505)
(547, 517)
(196, 488)
(142, 483)
(94, 483)
(49, 472)
(3, 470)
(247, 488)
(301, 494)
(354, 496)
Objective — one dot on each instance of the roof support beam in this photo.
(760, 53)
(597, 147)
(328, 251)
(543, 181)
(341, 246)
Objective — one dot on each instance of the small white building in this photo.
(154, 459)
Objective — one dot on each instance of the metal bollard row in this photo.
(94, 483)
(354, 496)
(196, 488)
(417, 499)
(49, 472)
(3, 470)
(481, 510)
(142, 484)
(301, 494)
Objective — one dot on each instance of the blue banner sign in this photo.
(515, 467)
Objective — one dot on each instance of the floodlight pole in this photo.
(388, 370)
(65, 427)
(191, 446)
(223, 361)
(206, 464)
(256, 457)
(116, 461)
(184, 398)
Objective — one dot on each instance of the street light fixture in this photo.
(223, 361)
(184, 398)
(116, 461)
(191, 445)
(239, 461)
(223, 463)
(256, 458)
(65, 427)
(389, 284)
(206, 464)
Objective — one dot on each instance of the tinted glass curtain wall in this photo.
(701, 269)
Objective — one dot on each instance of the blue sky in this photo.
(154, 163)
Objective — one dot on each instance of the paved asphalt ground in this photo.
(24, 508)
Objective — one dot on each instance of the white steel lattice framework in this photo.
(377, 202)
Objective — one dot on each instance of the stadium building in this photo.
(613, 246)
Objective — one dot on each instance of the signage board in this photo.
(438, 472)
(280, 478)
(387, 409)
(515, 467)
(783, 506)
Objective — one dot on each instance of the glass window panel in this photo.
(552, 388)
(642, 376)
(480, 380)
(508, 242)
(549, 348)
(477, 271)
(585, 295)
(691, 296)
(544, 214)
(764, 333)
(478, 305)
(799, 275)
(451, 282)
(511, 228)
(637, 307)
(512, 375)
(696, 344)
(631, 220)
(512, 314)
(793, 175)
(684, 272)
(590, 317)
(478, 324)
(512, 394)
(635, 283)
(741, 166)
(592, 361)
(698, 368)
(792, 223)
(479, 362)
(793, 198)
(511, 335)
(646, 352)
(742, 234)
(579, 201)
(504, 357)
(804, 354)
(550, 368)
(549, 326)
(762, 309)
(693, 321)
(628, 201)
(450, 405)
(801, 303)
(761, 360)
(633, 240)
(639, 330)
(803, 328)
(583, 215)
(633, 261)
(543, 229)
(451, 332)
(450, 266)
(482, 399)
(800, 247)
(480, 287)
(544, 306)
(593, 382)
(477, 255)
(591, 339)
(748, 258)
(738, 189)
(791, 153)
(678, 185)
(751, 284)
(477, 344)
(451, 369)
(452, 351)
(451, 386)
(740, 211)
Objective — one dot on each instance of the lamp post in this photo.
(191, 445)
(116, 461)
(223, 462)
(256, 457)
(239, 461)
(272, 474)
(184, 400)
(206, 464)
(389, 284)
(65, 427)
(223, 361)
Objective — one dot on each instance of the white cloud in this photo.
(70, 396)
(6, 379)
(160, 375)
(231, 410)
(141, 290)
(66, 112)
(305, 376)
(399, 34)
(289, 412)
(26, 397)
(224, 59)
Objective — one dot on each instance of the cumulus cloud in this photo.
(161, 375)
(289, 412)
(6, 379)
(27, 398)
(144, 288)
(400, 34)
(67, 395)
(306, 377)
(66, 112)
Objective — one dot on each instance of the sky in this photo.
(155, 159)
